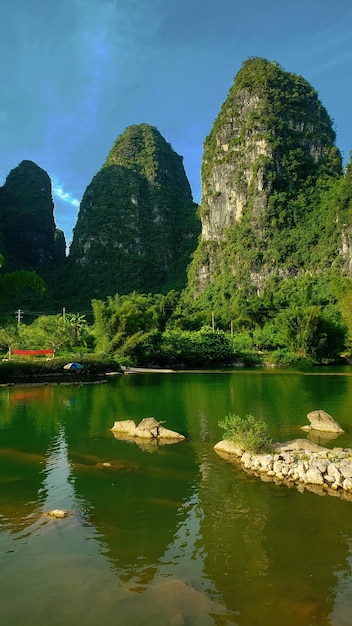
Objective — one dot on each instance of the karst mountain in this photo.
(275, 207)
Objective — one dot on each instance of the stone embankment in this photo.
(299, 462)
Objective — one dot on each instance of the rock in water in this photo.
(58, 514)
(320, 420)
(148, 428)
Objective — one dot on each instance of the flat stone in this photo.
(229, 447)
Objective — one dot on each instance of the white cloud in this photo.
(66, 196)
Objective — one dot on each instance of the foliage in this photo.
(246, 432)
(122, 323)
(19, 283)
(9, 337)
(282, 357)
(274, 283)
(196, 348)
(310, 334)
(28, 237)
(53, 331)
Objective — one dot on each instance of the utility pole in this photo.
(18, 315)
(212, 320)
(63, 312)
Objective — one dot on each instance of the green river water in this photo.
(171, 535)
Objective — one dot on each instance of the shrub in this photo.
(282, 357)
(246, 432)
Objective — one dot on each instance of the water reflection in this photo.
(174, 537)
(341, 614)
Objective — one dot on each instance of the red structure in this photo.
(33, 352)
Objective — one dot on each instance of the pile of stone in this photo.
(301, 461)
(148, 428)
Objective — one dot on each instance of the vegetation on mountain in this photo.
(270, 279)
(275, 268)
(20, 282)
(28, 236)
(137, 224)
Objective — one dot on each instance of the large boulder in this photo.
(322, 421)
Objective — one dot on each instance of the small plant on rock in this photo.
(246, 432)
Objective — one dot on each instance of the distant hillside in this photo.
(137, 224)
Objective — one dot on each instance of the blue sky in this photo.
(76, 73)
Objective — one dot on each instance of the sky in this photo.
(75, 73)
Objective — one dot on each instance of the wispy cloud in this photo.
(66, 196)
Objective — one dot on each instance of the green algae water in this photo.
(167, 535)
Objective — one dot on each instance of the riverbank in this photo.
(48, 371)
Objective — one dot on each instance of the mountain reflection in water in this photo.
(170, 534)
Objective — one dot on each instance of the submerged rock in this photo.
(57, 514)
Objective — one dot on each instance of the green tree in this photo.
(47, 330)
(76, 328)
(9, 337)
(309, 333)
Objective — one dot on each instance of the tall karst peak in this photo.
(271, 140)
(137, 225)
(271, 133)
(31, 239)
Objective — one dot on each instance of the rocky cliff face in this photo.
(270, 143)
(137, 223)
(235, 154)
(29, 237)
